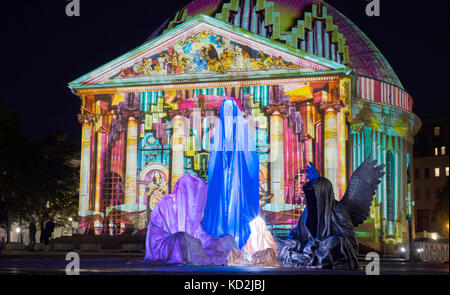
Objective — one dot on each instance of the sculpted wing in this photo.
(361, 189)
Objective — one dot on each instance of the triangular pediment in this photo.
(204, 49)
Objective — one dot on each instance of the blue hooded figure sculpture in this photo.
(233, 177)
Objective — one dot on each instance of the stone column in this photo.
(308, 151)
(178, 141)
(342, 151)
(345, 96)
(309, 130)
(331, 156)
(277, 152)
(131, 158)
(102, 137)
(84, 201)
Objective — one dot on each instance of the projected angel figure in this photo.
(233, 174)
(325, 235)
(155, 190)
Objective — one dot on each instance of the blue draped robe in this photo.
(233, 176)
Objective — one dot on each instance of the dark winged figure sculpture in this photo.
(325, 234)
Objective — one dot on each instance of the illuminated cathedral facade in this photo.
(310, 83)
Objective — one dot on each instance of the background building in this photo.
(315, 86)
(431, 168)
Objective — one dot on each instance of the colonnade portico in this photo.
(96, 142)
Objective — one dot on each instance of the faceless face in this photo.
(228, 116)
(319, 206)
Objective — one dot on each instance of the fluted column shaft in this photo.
(85, 166)
(177, 149)
(277, 156)
(331, 156)
(131, 164)
(102, 137)
(342, 150)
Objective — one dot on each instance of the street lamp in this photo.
(71, 225)
(19, 232)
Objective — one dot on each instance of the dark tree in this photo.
(57, 179)
(440, 217)
(36, 178)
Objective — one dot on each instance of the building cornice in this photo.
(111, 89)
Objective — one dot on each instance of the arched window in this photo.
(113, 195)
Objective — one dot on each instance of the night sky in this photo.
(42, 50)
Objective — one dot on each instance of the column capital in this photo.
(183, 113)
(128, 114)
(86, 117)
(281, 108)
(102, 129)
(308, 137)
(336, 105)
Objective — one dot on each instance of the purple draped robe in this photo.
(175, 234)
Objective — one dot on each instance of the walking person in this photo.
(49, 228)
(43, 230)
(32, 235)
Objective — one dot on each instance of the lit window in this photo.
(446, 171)
(436, 151)
(443, 150)
(437, 131)
(436, 172)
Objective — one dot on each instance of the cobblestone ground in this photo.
(131, 264)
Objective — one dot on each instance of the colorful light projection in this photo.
(148, 116)
(175, 135)
(205, 52)
(173, 132)
(375, 134)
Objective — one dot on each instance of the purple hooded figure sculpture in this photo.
(175, 234)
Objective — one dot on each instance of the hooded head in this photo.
(182, 210)
(232, 134)
(320, 205)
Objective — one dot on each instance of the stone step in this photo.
(63, 247)
(90, 247)
(132, 248)
(15, 246)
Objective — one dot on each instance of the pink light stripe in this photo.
(359, 87)
(285, 158)
(291, 166)
(377, 92)
(366, 92)
(372, 90)
(295, 147)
